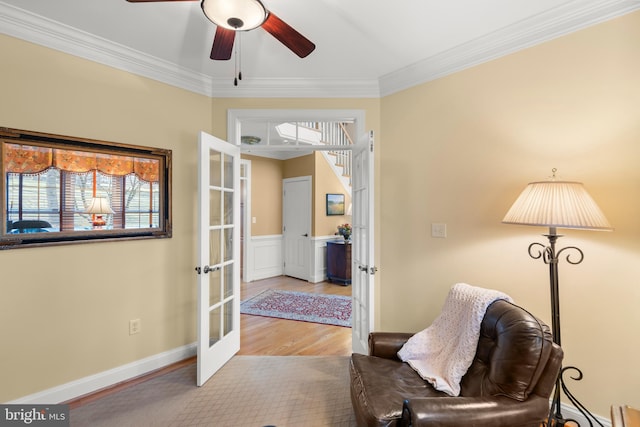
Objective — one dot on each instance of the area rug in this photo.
(249, 391)
(304, 306)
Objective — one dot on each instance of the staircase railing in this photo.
(335, 133)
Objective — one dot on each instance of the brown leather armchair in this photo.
(507, 385)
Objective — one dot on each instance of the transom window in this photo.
(62, 189)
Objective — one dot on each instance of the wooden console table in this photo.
(339, 262)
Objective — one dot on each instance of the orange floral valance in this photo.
(30, 159)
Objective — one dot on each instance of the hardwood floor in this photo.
(268, 336)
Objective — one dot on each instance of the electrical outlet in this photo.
(439, 230)
(135, 326)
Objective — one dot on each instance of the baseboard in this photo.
(570, 412)
(93, 383)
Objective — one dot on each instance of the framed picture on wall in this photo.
(335, 204)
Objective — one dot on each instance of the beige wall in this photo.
(266, 195)
(299, 166)
(266, 192)
(64, 327)
(326, 181)
(460, 149)
(457, 150)
(65, 310)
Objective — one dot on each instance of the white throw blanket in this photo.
(443, 352)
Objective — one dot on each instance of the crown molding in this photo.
(296, 88)
(39, 30)
(567, 18)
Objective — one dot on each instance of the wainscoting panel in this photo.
(264, 257)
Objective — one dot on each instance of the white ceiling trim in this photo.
(296, 88)
(36, 29)
(563, 20)
(576, 15)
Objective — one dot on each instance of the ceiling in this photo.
(364, 48)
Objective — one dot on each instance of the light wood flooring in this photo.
(267, 336)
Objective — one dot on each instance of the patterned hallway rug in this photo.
(304, 306)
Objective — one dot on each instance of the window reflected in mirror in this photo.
(64, 189)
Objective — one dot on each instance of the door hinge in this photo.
(366, 268)
(371, 140)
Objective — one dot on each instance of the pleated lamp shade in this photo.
(99, 205)
(557, 204)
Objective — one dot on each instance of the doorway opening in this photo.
(288, 135)
(278, 134)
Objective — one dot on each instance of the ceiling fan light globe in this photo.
(235, 14)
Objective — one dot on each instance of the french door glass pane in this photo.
(215, 326)
(215, 278)
(228, 207)
(228, 280)
(228, 172)
(228, 244)
(228, 317)
(214, 207)
(214, 247)
(215, 169)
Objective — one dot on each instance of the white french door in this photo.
(363, 268)
(218, 255)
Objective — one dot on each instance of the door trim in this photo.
(247, 247)
(234, 124)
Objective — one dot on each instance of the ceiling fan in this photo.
(231, 16)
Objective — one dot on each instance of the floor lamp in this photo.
(558, 204)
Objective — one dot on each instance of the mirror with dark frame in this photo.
(60, 189)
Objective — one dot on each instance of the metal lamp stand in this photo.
(551, 257)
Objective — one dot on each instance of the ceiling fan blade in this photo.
(223, 44)
(299, 44)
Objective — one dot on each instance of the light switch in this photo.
(439, 230)
(253, 219)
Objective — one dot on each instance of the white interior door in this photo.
(362, 269)
(296, 226)
(219, 255)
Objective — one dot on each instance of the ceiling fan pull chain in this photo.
(236, 61)
(240, 57)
